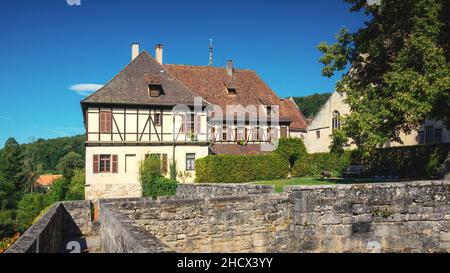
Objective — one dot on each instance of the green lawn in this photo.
(307, 181)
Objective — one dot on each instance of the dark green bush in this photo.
(313, 164)
(153, 183)
(421, 161)
(292, 149)
(240, 168)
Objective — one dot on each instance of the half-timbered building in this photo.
(172, 111)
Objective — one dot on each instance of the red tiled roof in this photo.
(47, 180)
(289, 108)
(211, 84)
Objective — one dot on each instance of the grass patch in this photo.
(311, 181)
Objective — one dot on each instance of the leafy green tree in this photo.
(291, 149)
(7, 225)
(58, 191)
(69, 163)
(28, 208)
(76, 187)
(149, 173)
(11, 164)
(310, 105)
(400, 72)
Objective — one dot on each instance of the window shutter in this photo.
(108, 122)
(102, 122)
(246, 134)
(115, 164)
(95, 167)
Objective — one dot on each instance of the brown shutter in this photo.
(164, 163)
(102, 122)
(108, 122)
(115, 164)
(95, 167)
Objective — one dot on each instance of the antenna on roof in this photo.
(210, 52)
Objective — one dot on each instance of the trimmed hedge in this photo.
(421, 161)
(240, 168)
(313, 164)
(160, 186)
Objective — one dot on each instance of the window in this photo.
(269, 134)
(269, 110)
(421, 137)
(224, 133)
(191, 123)
(157, 119)
(429, 135)
(163, 160)
(105, 164)
(232, 91)
(283, 132)
(438, 136)
(257, 134)
(154, 90)
(317, 134)
(105, 122)
(336, 121)
(190, 162)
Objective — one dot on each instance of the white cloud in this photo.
(85, 89)
(57, 132)
(5, 118)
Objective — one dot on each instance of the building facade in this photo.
(318, 137)
(180, 113)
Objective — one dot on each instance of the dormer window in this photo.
(154, 90)
(231, 91)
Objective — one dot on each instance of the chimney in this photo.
(230, 68)
(134, 51)
(159, 53)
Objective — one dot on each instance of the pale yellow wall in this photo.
(323, 122)
(126, 184)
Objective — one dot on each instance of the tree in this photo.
(291, 149)
(58, 191)
(28, 208)
(400, 72)
(69, 163)
(310, 105)
(76, 187)
(11, 164)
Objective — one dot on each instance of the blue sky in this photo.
(49, 46)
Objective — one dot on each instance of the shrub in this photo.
(7, 225)
(313, 164)
(239, 168)
(58, 191)
(153, 184)
(28, 208)
(76, 187)
(292, 149)
(421, 161)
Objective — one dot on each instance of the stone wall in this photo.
(394, 217)
(61, 221)
(215, 190)
(257, 223)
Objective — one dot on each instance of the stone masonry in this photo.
(391, 217)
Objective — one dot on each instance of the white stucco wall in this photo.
(126, 183)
